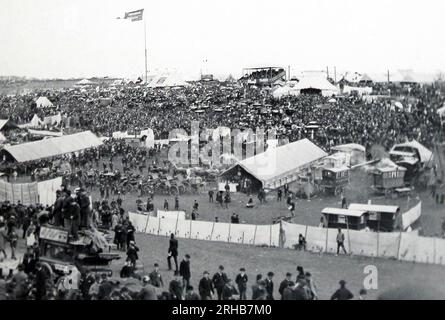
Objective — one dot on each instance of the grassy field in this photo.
(326, 269)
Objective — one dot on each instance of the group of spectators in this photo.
(350, 119)
(220, 286)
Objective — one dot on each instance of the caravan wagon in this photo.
(387, 180)
(334, 180)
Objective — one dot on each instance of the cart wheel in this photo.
(48, 268)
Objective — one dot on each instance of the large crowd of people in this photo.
(350, 119)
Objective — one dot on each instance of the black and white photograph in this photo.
(240, 152)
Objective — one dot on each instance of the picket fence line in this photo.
(404, 246)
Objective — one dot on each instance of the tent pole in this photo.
(145, 42)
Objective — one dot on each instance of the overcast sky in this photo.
(83, 38)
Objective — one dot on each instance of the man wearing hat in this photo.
(40, 282)
(184, 271)
(191, 294)
(148, 292)
(219, 280)
(58, 205)
(284, 284)
(173, 252)
(85, 212)
(340, 241)
(300, 290)
(288, 292)
(155, 277)
(241, 281)
(132, 253)
(259, 292)
(311, 287)
(269, 286)
(175, 288)
(105, 288)
(228, 291)
(206, 287)
(342, 293)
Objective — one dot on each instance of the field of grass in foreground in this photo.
(326, 269)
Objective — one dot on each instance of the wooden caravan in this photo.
(345, 218)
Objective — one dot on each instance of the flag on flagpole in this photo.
(133, 15)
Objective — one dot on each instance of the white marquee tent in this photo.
(43, 102)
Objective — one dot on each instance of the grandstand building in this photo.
(262, 77)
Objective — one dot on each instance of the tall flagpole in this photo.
(145, 41)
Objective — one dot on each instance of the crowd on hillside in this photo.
(349, 119)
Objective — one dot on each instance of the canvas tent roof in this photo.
(7, 124)
(43, 102)
(84, 82)
(52, 147)
(3, 122)
(349, 147)
(281, 162)
(365, 78)
(425, 154)
(319, 83)
(170, 80)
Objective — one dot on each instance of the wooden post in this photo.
(146, 224)
(349, 238)
(176, 225)
(254, 235)
(270, 236)
(228, 236)
(378, 238)
(190, 231)
(213, 228)
(326, 246)
(434, 252)
(400, 240)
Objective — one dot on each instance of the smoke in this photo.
(377, 151)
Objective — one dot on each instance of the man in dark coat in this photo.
(284, 284)
(85, 211)
(219, 280)
(228, 291)
(105, 288)
(206, 287)
(300, 290)
(184, 271)
(342, 293)
(71, 215)
(191, 294)
(241, 280)
(155, 277)
(148, 291)
(132, 253)
(173, 252)
(40, 282)
(175, 288)
(288, 292)
(269, 286)
(29, 261)
(259, 291)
